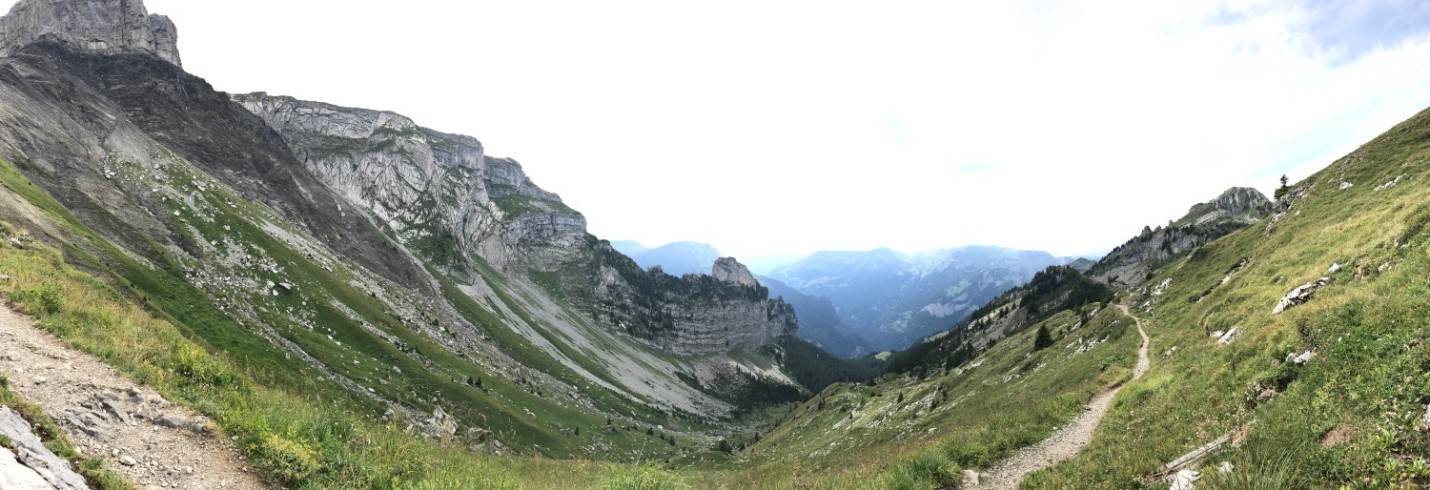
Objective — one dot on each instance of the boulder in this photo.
(34, 456)
(1300, 295)
(1230, 336)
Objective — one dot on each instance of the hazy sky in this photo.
(785, 127)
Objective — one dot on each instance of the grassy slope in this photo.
(294, 426)
(1369, 377)
(1369, 381)
(1014, 397)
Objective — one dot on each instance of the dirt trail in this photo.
(1066, 442)
(138, 434)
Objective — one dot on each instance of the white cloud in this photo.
(785, 127)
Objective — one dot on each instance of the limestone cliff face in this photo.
(692, 314)
(444, 198)
(439, 193)
(95, 26)
(1128, 264)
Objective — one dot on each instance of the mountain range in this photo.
(205, 290)
(892, 299)
(676, 258)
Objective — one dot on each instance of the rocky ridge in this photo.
(449, 202)
(95, 26)
(695, 314)
(1129, 263)
(439, 193)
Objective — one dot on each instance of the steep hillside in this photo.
(819, 323)
(1289, 354)
(1054, 290)
(678, 258)
(352, 260)
(893, 300)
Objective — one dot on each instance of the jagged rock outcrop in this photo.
(438, 193)
(1238, 204)
(95, 26)
(1299, 295)
(727, 269)
(1128, 264)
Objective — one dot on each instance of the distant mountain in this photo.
(818, 322)
(893, 299)
(676, 259)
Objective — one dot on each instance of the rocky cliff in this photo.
(692, 314)
(1128, 264)
(446, 200)
(94, 26)
(439, 193)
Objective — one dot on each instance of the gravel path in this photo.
(138, 434)
(1066, 442)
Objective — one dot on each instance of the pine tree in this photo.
(1043, 338)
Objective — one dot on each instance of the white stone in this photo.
(1230, 336)
(1185, 480)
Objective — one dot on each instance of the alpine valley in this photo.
(214, 290)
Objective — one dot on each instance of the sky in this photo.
(782, 128)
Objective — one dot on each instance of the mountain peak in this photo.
(1243, 204)
(727, 269)
(97, 26)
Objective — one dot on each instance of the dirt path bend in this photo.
(1066, 442)
(138, 434)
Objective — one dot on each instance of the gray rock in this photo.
(393, 167)
(33, 454)
(93, 423)
(16, 476)
(96, 26)
(1225, 467)
(1304, 358)
(1230, 336)
(127, 460)
(1300, 295)
(173, 421)
(1425, 420)
(1185, 479)
(727, 269)
(1127, 265)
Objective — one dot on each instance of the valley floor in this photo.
(131, 428)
